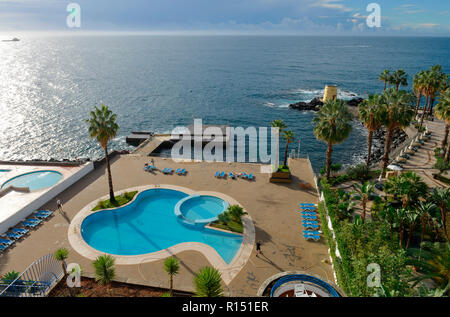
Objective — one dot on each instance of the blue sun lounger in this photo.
(178, 170)
(222, 175)
(217, 174)
(311, 232)
(311, 237)
(6, 242)
(20, 230)
(307, 204)
(30, 224)
(42, 215)
(181, 171)
(35, 220)
(308, 208)
(310, 226)
(45, 212)
(2, 247)
(309, 213)
(310, 221)
(309, 217)
(244, 175)
(250, 177)
(12, 235)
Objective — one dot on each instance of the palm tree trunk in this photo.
(447, 155)
(387, 148)
(385, 83)
(410, 234)
(329, 154)
(444, 142)
(416, 111)
(424, 111)
(397, 86)
(112, 199)
(285, 153)
(430, 110)
(363, 215)
(171, 284)
(369, 145)
(422, 234)
(401, 234)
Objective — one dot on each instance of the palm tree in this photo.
(396, 114)
(385, 76)
(371, 116)
(105, 271)
(418, 86)
(103, 126)
(401, 218)
(425, 210)
(61, 255)
(364, 192)
(172, 267)
(443, 112)
(441, 198)
(411, 216)
(432, 261)
(407, 188)
(236, 212)
(208, 282)
(332, 126)
(289, 137)
(440, 84)
(399, 77)
(279, 123)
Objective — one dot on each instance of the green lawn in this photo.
(120, 201)
(232, 226)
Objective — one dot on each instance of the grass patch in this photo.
(120, 201)
(283, 169)
(232, 226)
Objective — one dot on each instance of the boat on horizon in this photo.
(15, 39)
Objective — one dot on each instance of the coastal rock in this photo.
(316, 103)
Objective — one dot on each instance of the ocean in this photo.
(48, 85)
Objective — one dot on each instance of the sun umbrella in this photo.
(395, 167)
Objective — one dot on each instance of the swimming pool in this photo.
(35, 180)
(149, 224)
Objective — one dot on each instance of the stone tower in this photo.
(330, 93)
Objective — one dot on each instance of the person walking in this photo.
(60, 206)
(258, 248)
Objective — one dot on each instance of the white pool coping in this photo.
(228, 271)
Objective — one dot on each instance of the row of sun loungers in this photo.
(243, 175)
(309, 215)
(179, 171)
(9, 238)
(416, 143)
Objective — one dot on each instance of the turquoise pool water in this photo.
(35, 180)
(149, 224)
(203, 207)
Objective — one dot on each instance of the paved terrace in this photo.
(272, 207)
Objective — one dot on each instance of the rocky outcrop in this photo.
(398, 138)
(316, 103)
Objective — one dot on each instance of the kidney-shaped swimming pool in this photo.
(149, 224)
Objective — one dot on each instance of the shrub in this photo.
(359, 172)
(208, 283)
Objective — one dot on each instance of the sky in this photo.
(326, 17)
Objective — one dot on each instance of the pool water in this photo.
(202, 207)
(149, 224)
(35, 180)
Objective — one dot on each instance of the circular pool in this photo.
(35, 180)
(201, 209)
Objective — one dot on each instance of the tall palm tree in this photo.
(443, 113)
(399, 77)
(279, 123)
(411, 216)
(432, 261)
(407, 188)
(208, 282)
(401, 218)
(172, 267)
(364, 192)
(418, 87)
(289, 137)
(440, 84)
(61, 255)
(441, 198)
(425, 210)
(332, 125)
(397, 113)
(371, 116)
(105, 271)
(385, 76)
(103, 126)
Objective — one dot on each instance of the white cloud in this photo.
(331, 4)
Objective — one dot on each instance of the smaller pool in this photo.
(201, 209)
(35, 180)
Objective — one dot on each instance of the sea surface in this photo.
(49, 84)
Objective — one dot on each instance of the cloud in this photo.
(331, 4)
